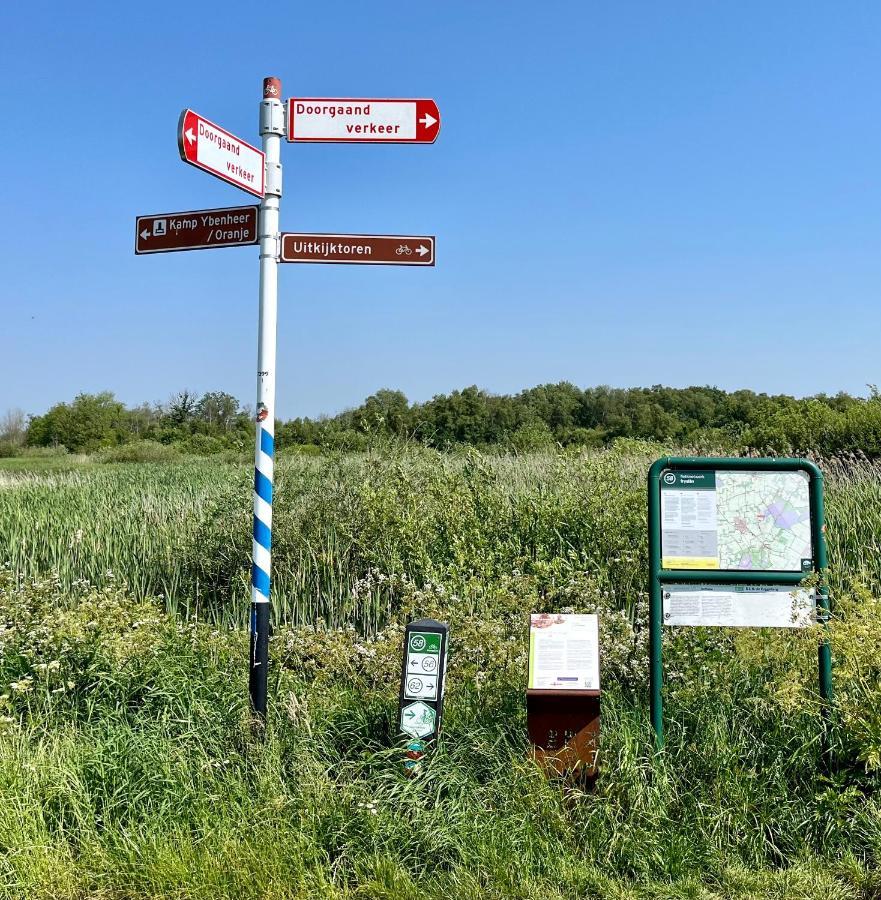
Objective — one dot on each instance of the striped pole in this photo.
(271, 130)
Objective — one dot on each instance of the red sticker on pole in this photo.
(346, 120)
(214, 150)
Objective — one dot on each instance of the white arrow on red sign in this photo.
(214, 150)
(335, 119)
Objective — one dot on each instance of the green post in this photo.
(824, 650)
(656, 673)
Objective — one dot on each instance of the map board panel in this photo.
(750, 606)
(736, 520)
(564, 652)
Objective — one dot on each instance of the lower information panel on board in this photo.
(750, 606)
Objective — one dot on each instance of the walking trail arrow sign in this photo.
(214, 150)
(344, 120)
(363, 249)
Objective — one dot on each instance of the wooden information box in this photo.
(563, 693)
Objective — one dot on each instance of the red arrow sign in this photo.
(213, 149)
(314, 120)
(366, 249)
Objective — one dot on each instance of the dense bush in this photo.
(137, 452)
(537, 418)
(567, 415)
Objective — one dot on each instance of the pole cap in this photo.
(272, 89)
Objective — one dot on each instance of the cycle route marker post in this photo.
(212, 149)
(423, 675)
(730, 542)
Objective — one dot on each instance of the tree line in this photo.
(542, 416)
(201, 425)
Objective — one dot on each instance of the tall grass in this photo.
(130, 767)
(183, 530)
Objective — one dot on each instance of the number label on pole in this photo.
(346, 120)
(214, 150)
(361, 249)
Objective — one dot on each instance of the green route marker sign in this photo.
(423, 671)
(418, 719)
(730, 541)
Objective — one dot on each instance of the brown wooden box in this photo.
(564, 727)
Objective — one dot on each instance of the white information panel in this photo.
(564, 652)
(750, 606)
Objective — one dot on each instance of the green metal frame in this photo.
(658, 576)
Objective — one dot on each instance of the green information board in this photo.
(730, 541)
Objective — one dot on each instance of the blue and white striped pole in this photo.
(271, 130)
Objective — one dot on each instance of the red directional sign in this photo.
(312, 120)
(199, 229)
(361, 249)
(213, 149)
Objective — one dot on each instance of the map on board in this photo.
(756, 520)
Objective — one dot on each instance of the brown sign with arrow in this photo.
(199, 229)
(361, 249)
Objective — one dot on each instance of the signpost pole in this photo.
(271, 131)
(656, 672)
(824, 651)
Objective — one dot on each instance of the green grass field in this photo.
(130, 766)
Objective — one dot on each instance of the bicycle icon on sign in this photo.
(403, 250)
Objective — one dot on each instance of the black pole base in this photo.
(259, 663)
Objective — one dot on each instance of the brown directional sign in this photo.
(361, 249)
(199, 229)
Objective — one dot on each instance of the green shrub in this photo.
(202, 445)
(44, 452)
(138, 452)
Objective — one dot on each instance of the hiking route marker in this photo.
(730, 542)
(215, 150)
(422, 685)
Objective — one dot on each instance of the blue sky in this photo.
(622, 193)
